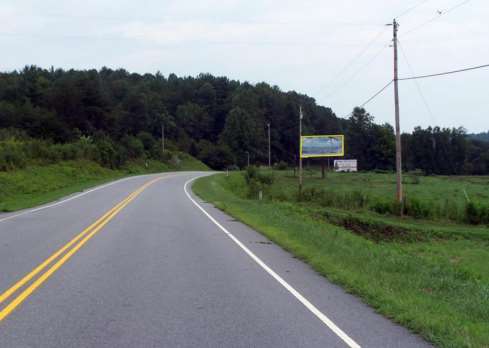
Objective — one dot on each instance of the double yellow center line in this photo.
(56, 260)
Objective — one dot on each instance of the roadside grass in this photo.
(436, 284)
(35, 185)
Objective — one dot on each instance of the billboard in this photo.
(322, 146)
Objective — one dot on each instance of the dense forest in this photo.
(484, 136)
(212, 118)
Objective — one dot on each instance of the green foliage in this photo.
(257, 181)
(38, 184)
(281, 166)
(476, 214)
(217, 157)
(217, 119)
(433, 198)
(12, 155)
(417, 208)
(484, 136)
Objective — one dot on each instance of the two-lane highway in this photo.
(144, 263)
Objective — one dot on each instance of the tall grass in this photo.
(430, 200)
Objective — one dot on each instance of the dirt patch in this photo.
(374, 230)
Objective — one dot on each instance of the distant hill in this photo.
(480, 136)
(114, 116)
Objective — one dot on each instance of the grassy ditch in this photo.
(34, 185)
(430, 277)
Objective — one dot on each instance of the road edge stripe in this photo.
(321, 316)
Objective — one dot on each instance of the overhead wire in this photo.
(411, 9)
(437, 16)
(357, 72)
(418, 87)
(418, 77)
(355, 58)
(364, 50)
(374, 96)
(444, 73)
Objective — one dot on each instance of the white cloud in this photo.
(296, 45)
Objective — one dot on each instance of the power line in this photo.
(371, 42)
(357, 72)
(412, 8)
(374, 96)
(444, 73)
(419, 77)
(437, 16)
(415, 78)
(355, 58)
(418, 87)
(364, 50)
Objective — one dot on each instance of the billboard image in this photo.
(322, 146)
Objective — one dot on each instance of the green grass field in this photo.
(37, 185)
(436, 198)
(428, 275)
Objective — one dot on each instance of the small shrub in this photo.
(382, 207)
(281, 165)
(476, 214)
(280, 196)
(257, 181)
(12, 155)
(358, 199)
(250, 174)
(417, 209)
(311, 194)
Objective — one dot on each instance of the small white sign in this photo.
(346, 165)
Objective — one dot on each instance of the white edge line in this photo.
(68, 199)
(328, 322)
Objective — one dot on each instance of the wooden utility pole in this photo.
(399, 194)
(162, 137)
(300, 151)
(269, 147)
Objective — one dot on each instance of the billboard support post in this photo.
(269, 147)
(300, 152)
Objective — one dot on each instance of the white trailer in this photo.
(346, 165)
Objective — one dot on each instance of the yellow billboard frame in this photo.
(337, 136)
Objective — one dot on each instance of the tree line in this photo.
(215, 119)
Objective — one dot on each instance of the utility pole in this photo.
(300, 151)
(269, 148)
(399, 194)
(162, 136)
(248, 157)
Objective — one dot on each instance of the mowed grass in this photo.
(35, 185)
(437, 286)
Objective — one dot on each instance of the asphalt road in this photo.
(163, 269)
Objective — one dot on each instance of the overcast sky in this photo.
(317, 47)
